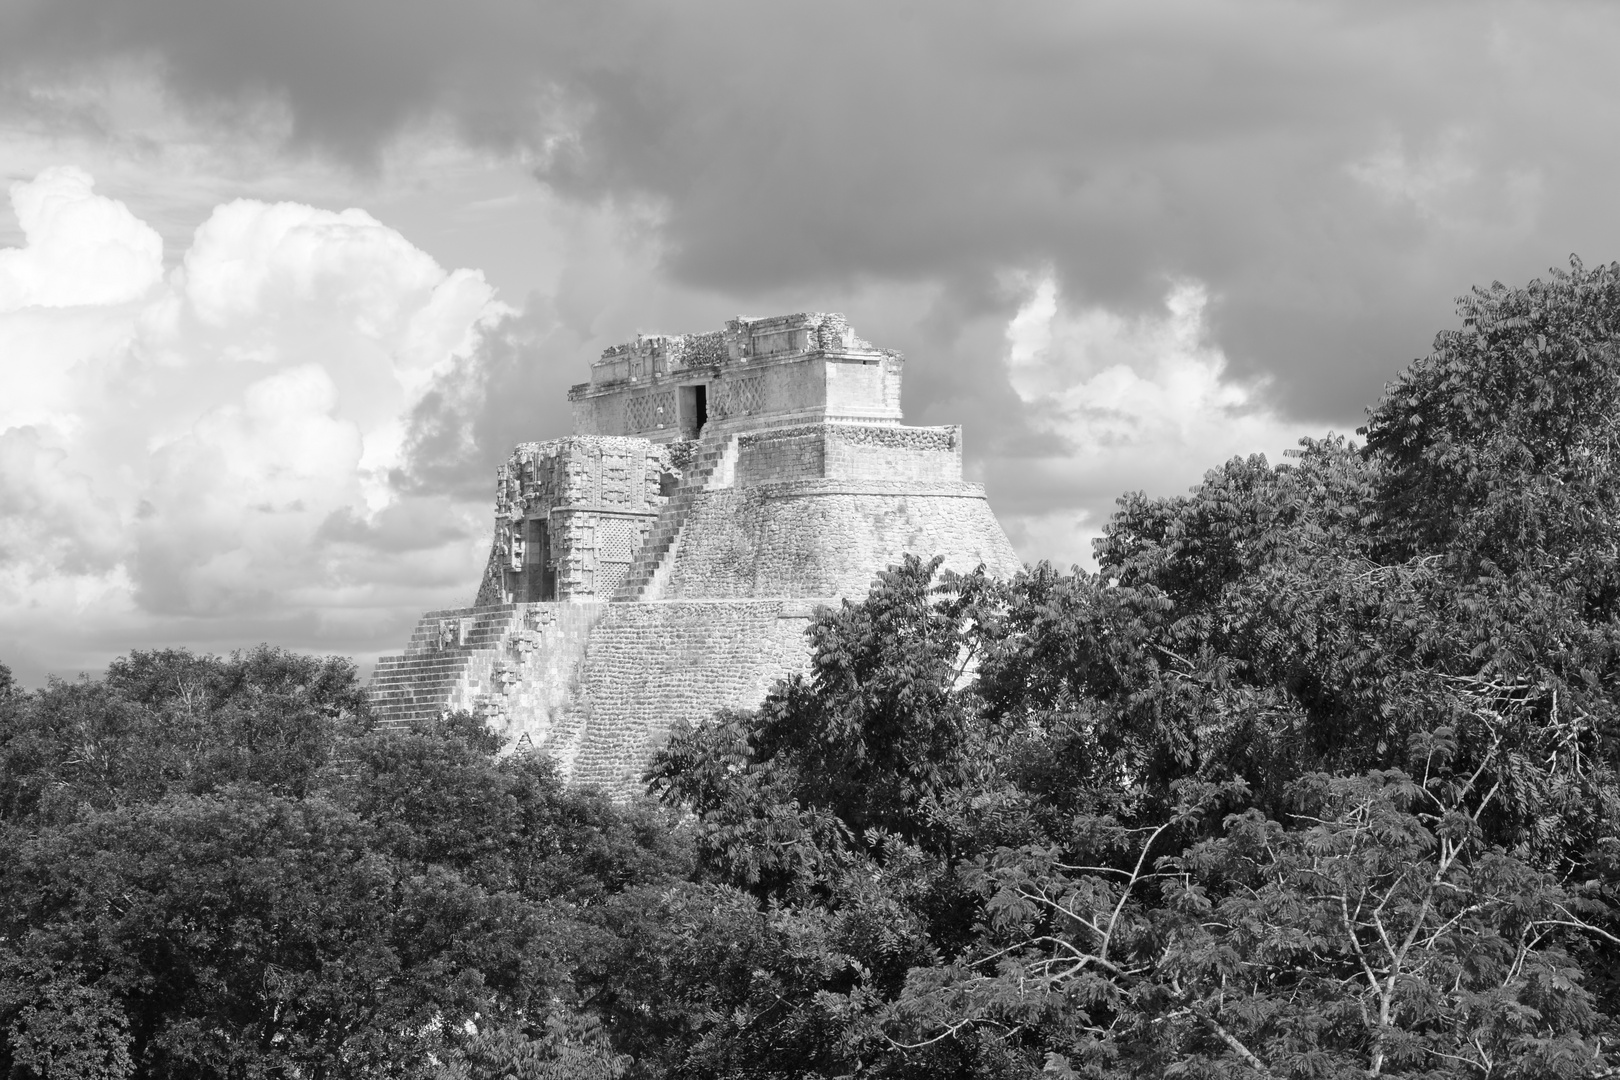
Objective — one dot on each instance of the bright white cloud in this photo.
(172, 448)
(81, 248)
(68, 292)
(1142, 403)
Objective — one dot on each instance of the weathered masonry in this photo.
(664, 561)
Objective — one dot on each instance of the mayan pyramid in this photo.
(663, 561)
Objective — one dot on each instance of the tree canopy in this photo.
(1314, 776)
(212, 868)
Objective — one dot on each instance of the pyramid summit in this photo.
(663, 561)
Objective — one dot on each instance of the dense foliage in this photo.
(1314, 777)
(212, 869)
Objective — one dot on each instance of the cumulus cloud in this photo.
(80, 248)
(1141, 402)
(67, 292)
(175, 450)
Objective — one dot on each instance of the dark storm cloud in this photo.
(1334, 173)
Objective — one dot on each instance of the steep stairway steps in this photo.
(672, 517)
(448, 650)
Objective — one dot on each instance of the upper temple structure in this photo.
(663, 561)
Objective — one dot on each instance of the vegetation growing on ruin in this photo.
(1315, 777)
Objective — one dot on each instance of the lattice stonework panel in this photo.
(619, 541)
(635, 413)
(746, 396)
(651, 411)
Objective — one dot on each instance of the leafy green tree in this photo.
(1500, 444)
(1137, 780)
(875, 743)
(1371, 934)
(169, 721)
(212, 868)
(848, 804)
(1314, 777)
(578, 1051)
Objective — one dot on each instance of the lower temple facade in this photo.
(664, 562)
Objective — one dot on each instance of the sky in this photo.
(282, 283)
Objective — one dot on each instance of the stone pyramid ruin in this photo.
(664, 561)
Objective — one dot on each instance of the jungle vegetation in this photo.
(1315, 776)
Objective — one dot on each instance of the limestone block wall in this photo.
(796, 453)
(527, 693)
(830, 537)
(594, 686)
(863, 388)
(850, 452)
(797, 388)
(870, 452)
(651, 664)
(755, 372)
(745, 395)
(597, 412)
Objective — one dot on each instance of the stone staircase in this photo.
(450, 656)
(717, 455)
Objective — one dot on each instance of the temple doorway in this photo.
(539, 576)
(694, 410)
